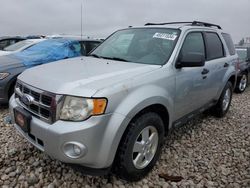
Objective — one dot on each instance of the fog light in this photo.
(77, 149)
(74, 150)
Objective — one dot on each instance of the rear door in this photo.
(216, 65)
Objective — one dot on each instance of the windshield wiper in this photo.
(111, 58)
(115, 58)
(95, 55)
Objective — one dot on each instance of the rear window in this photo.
(18, 45)
(242, 53)
(214, 46)
(229, 42)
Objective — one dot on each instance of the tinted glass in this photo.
(3, 44)
(83, 48)
(12, 41)
(229, 43)
(145, 46)
(94, 45)
(193, 43)
(214, 46)
(91, 45)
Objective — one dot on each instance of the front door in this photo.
(190, 81)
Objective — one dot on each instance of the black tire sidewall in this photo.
(127, 168)
(237, 89)
(219, 112)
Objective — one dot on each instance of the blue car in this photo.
(44, 52)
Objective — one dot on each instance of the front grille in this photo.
(41, 104)
(46, 100)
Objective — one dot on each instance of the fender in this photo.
(131, 105)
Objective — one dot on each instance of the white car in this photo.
(19, 46)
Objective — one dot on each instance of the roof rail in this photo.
(168, 23)
(205, 24)
(194, 23)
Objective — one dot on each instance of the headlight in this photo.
(79, 109)
(3, 75)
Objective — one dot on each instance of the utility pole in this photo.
(81, 21)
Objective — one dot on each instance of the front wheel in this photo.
(241, 84)
(140, 147)
(223, 105)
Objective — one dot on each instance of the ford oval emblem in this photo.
(27, 99)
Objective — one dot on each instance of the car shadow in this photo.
(4, 106)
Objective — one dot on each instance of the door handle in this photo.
(226, 65)
(205, 71)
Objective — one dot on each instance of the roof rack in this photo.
(205, 24)
(194, 23)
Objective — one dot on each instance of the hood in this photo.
(8, 62)
(82, 76)
(2, 53)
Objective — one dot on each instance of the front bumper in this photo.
(92, 133)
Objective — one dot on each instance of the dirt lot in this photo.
(206, 152)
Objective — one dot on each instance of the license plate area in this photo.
(22, 119)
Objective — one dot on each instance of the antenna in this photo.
(81, 20)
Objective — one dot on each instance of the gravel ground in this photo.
(206, 152)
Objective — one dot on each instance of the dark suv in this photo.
(244, 68)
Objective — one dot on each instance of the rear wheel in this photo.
(241, 84)
(140, 147)
(223, 105)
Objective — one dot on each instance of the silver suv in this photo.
(111, 110)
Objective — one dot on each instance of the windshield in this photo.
(146, 46)
(242, 53)
(18, 45)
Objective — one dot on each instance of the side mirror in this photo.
(191, 60)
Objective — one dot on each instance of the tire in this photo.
(241, 83)
(126, 166)
(223, 105)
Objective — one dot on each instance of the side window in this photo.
(83, 48)
(12, 41)
(193, 43)
(88, 46)
(214, 46)
(93, 45)
(3, 44)
(229, 42)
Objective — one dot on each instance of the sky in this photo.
(102, 17)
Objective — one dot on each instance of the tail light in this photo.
(237, 64)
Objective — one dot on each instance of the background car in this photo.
(87, 43)
(7, 41)
(44, 52)
(244, 68)
(19, 46)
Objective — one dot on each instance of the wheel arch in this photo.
(233, 80)
(133, 105)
